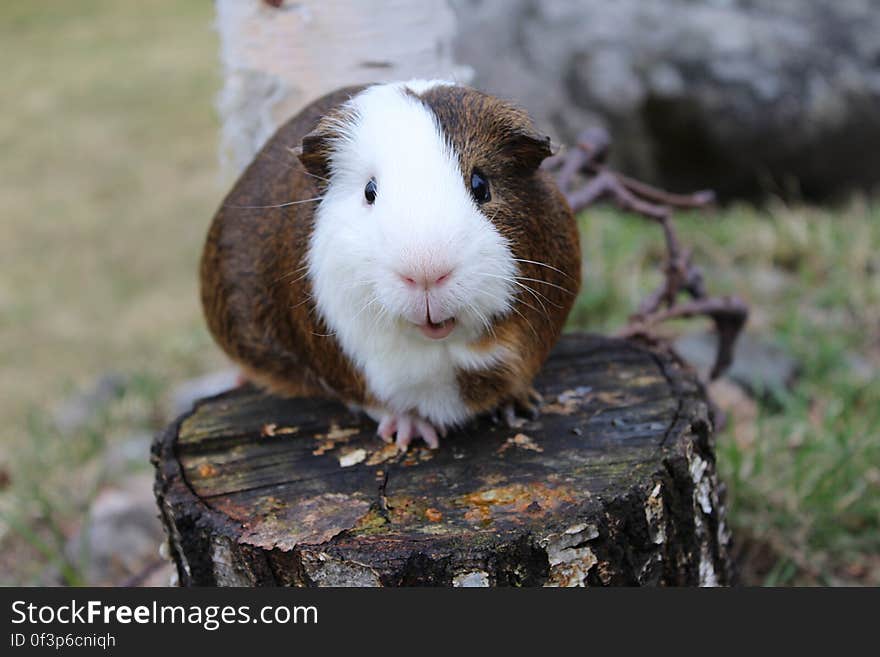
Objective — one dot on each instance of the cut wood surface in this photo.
(614, 483)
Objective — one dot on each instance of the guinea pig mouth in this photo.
(437, 330)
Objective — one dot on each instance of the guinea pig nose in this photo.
(425, 280)
(433, 280)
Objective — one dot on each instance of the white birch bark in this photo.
(276, 60)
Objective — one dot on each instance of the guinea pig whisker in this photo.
(543, 264)
(314, 175)
(279, 205)
(331, 334)
(373, 299)
(534, 294)
(482, 317)
(381, 316)
(509, 279)
(528, 305)
(487, 326)
(537, 294)
(538, 280)
(304, 301)
(514, 308)
(291, 273)
(298, 278)
(490, 327)
(525, 287)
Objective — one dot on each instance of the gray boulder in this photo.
(119, 541)
(760, 365)
(745, 96)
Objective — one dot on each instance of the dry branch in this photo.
(585, 179)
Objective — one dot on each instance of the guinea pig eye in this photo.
(370, 191)
(479, 187)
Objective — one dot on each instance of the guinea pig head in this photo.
(428, 196)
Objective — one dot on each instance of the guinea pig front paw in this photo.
(518, 410)
(406, 427)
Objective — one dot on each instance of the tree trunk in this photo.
(278, 59)
(614, 483)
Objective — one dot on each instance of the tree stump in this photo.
(614, 483)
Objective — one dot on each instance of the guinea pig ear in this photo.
(528, 148)
(315, 151)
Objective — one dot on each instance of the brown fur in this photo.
(257, 298)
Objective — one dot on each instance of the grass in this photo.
(107, 185)
(804, 481)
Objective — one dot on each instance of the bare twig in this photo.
(584, 165)
(729, 315)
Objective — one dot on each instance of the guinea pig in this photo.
(399, 247)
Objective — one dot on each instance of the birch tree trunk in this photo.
(278, 59)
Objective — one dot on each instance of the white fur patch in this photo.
(423, 223)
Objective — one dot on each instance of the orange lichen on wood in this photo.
(533, 498)
(433, 515)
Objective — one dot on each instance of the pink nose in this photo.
(425, 280)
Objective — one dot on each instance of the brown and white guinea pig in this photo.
(398, 246)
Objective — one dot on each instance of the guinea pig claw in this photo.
(535, 398)
(428, 434)
(407, 427)
(508, 412)
(404, 432)
(387, 427)
(530, 409)
(516, 412)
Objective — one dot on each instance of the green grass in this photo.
(108, 180)
(804, 491)
(107, 184)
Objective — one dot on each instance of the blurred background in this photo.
(110, 134)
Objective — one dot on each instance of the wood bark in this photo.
(614, 483)
(278, 59)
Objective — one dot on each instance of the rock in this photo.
(121, 535)
(130, 451)
(764, 368)
(80, 409)
(184, 395)
(740, 411)
(744, 96)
